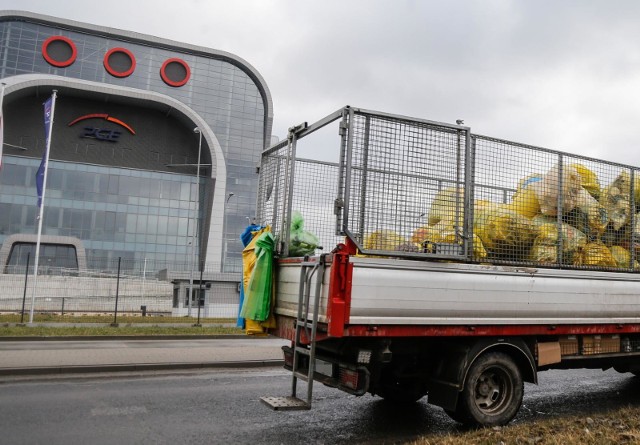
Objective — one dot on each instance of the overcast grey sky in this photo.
(559, 74)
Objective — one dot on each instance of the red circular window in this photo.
(119, 62)
(175, 72)
(59, 51)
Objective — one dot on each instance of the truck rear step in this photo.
(307, 271)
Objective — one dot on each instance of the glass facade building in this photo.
(128, 175)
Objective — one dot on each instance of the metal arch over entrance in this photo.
(20, 85)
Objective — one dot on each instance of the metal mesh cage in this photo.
(420, 189)
(314, 199)
(398, 168)
(307, 187)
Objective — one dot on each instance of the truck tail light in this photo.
(348, 378)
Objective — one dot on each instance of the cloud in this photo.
(562, 75)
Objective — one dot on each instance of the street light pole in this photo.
(195, 224)
(224, 235)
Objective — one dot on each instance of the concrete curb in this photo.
(44, 370)
(134, 337)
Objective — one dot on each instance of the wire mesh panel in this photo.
(313, 199)
(504, 204)
(134, 291)
(405, 177)
(273, 186)
(411, 188)
(312, 202)
(297, 196)
(565, 211)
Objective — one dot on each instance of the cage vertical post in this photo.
(348, 166)
(632, 222)
(338, 207)
(560, 208)
(363, 186)
(469, 193)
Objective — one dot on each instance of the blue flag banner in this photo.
(45, 156)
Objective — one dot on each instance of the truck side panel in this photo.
(402, 292)
(409, 292)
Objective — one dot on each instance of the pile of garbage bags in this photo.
(561, 217)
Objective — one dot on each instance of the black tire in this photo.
(492, 392)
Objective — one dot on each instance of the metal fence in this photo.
(419, 189)
(131, 289)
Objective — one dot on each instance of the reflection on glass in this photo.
(93, 218)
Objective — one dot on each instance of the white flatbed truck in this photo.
(439, 321)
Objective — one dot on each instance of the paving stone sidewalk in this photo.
(73, 356)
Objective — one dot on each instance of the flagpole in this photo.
(49, 132)
(1, 122)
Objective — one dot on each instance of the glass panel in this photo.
(224, 95)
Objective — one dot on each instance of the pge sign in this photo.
(100, 134)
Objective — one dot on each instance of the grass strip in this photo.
(619, 426)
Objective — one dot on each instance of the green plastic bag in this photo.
(301, 242)
(257, 303)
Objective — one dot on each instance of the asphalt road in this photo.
(222, 406)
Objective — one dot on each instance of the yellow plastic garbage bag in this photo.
(258, 298)
(635, 233)
(383, 240)
(431, 234)
(588, 179)
(479, 252)
(249, 259)
(445, 205)
(616, 198)
(426, 234)
(545, 246)
(424, 237)
(525, 202)
(612, 237)
(589, 216)
(623, 257)
(525, 182)
(595, 254)
(548, 188)
(636, 187)
(504, 233)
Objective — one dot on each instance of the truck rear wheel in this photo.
(492, 392)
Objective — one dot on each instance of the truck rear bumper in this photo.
(349, 378)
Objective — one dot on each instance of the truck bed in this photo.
(388, 291)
